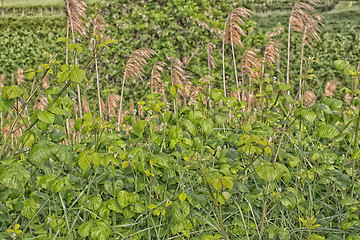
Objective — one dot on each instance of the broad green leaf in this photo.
(14, 176)
(308, 114)
(95, 159)
(139, 127)
(77, 75)
(84, 229)
(175, 132)
(285, 87)
(182, 196)
(227, 182)
(30, 208)
(356, 154)
(220, 120)
(123, 199)
(12, 91)
(41, 152)
(95, 203)
(173, 91)
(327, 131)
(216, 94)
(216, 184)
(46, 117)
(348, 201)
(207, 125)
(84, 160)
(194, 116)
(99, 233)
(59, 111)
(189, 126)
(265, 171)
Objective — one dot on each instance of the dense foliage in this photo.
(186, 160)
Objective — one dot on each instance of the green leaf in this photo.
(46, 117)
(216, 94)
(62, 39)
(41, 153)
(182, 196)
(349, 201)
(30, 75)
(139, 127)
(30, 208)
(284, 87)
(95, 159)
(327, 131)
(85, 228)
(220, 120)
(123, 199)
(175, 132)
(95, 203)
(189, 126)
(173, 91)
(77, 75)
(14, 176)
(207, 125)
(216, 184)
(265, 171)
(59, 111)
(99, 233)
(308, 114)
(12, 91)
(356, 154)
(84, 160)
(227, 182)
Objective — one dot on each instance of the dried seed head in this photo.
(75, 10)
(330, 88)
(233, 31)
(85, 105)
(20, 76)
(309, 98)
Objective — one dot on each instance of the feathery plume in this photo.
(112, 103)
(85, 105)
(272, 51)
(275, 31)
(41, 103)
(211, 59)
(20, 76)
(330, 88)
(309, 98)
(75, 10)
(177, 70)
(155, 81)
(233, 31)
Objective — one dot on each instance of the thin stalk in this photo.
(223, 61)
(356, 145)
(121, 101)
(236, 75)
(301, 62)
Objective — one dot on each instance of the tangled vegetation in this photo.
(229, 152)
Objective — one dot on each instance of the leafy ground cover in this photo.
(35, 3)
(186, 160)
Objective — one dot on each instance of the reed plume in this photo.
(75, 11)
(2, 81)
(299, 17)
(112, 103)
(309, 98)
(155, 81)
(20, 76)
(275, 31)
(232, 34)
(330, 88)
(41, 103)
(248, 65)
(135, 69)
(177, 70)
(85, 105)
